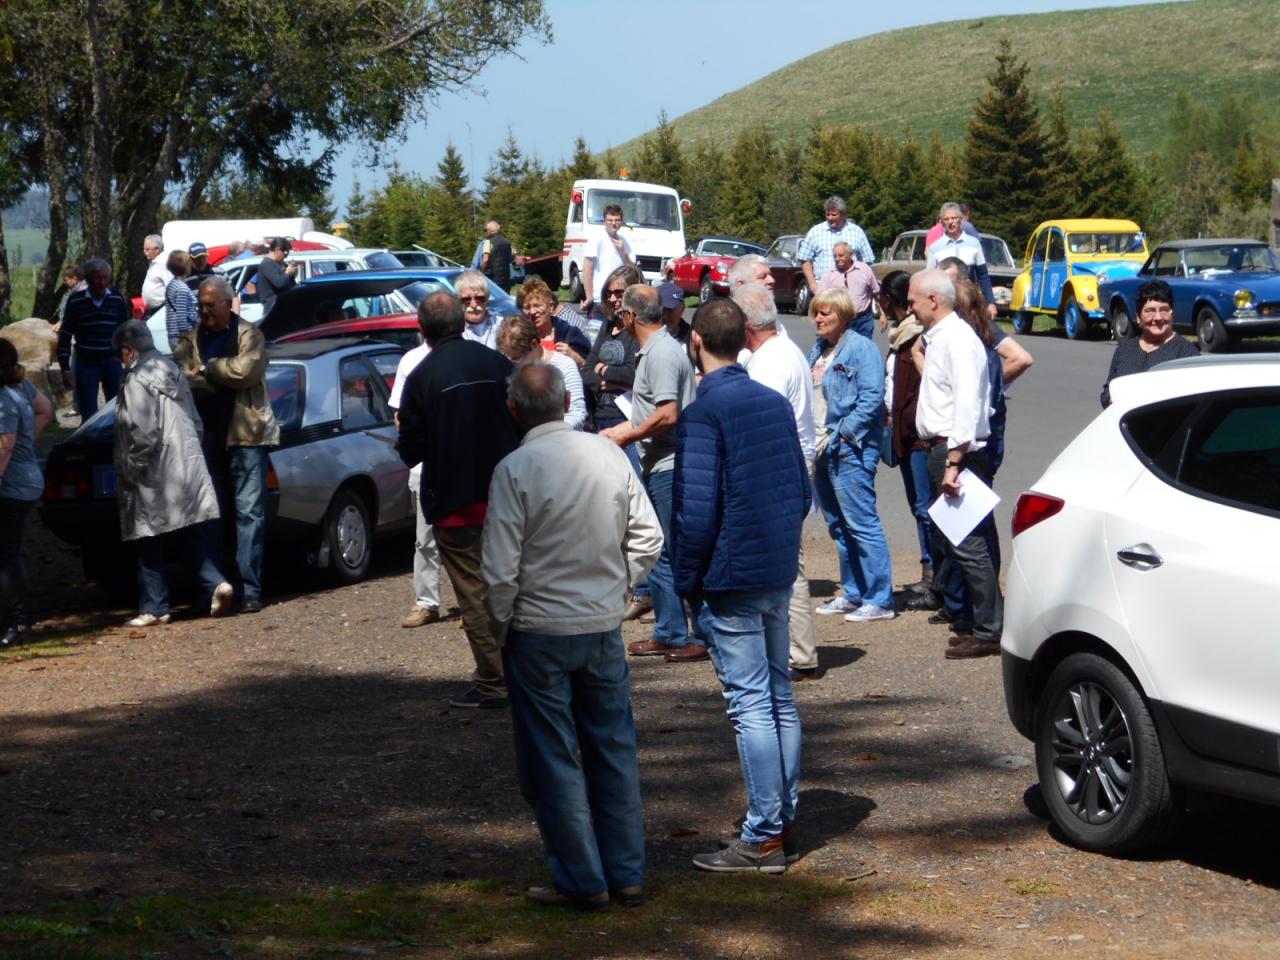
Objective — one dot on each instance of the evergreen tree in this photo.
(1062, 167)
(1004, 151)
(451, 229)
(1107, 180)
(398, 213)
(611, 165)
(660, 159)
(752, 172)
(906, 202)
(787, 207)
(1254, 164)
(357, 214)
(529, 225)
(583, 166)
(943, 170)
(704, 181)
(840, 164)
(507, 169)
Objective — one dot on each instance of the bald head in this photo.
(537, 395)
(643, 301)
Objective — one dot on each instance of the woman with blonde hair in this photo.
(519, 341)
(538, 303)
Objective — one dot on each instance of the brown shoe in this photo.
(969, 647)
(649, 648)
(638, 607)
(688, 653)
(420, 617)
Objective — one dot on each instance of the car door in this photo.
(1036, 251)
(1055, 269)
(369, 431)
(1167, 265)
(1192, 546)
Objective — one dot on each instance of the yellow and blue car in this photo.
(1063, 261)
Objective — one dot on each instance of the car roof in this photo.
(1193, 375)
(353, 327)
(311, 349)
(925, 233)
(717, 236)
(1202, 242)
(1082, 226)
(402, 275)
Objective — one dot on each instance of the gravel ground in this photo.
(310, 746)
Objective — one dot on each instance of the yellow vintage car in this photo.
(1064, 260)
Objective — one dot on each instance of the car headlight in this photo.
(722, 267)
(1245, 300)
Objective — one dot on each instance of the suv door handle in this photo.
(1140, 556)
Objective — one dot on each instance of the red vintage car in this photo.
(704, 270)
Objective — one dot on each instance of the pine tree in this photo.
(398, 213)
(1108, 184)
(451, 228)
(611, 164)
(660, 159)
(1004, 151)
(704, 182)
(357, 214)
(787, 208)
(906, 201)
(752, 171)
(943, 170)
(840, 164)
(583, 166)
(1062, 167)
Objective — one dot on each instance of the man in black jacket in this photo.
(455, 422)
(498, 256)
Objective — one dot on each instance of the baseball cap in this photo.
(198, 249)
(672, 296)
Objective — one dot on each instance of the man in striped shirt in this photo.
(91, 317)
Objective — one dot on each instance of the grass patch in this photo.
(1031, 886)
(51, 644)
(454, 918)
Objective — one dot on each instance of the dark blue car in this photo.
(1222, 290)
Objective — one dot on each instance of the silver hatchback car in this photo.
(334, 482)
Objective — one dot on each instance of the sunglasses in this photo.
(483, 298)
(614, 293)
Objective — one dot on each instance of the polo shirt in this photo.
(663, 373)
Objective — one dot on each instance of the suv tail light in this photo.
(1032, 508)
(273, 482)
(69, 482)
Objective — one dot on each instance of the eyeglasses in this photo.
(615, 293)
(482, 298)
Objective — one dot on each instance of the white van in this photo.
(652, 222)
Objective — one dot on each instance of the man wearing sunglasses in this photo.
(473, 291)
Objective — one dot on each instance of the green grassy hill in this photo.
(1132, 59)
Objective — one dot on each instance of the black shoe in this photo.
(628, 896)
(740, 857)
(942, 616)
(474, 699)
(923, 601)
(550, 897)
(15, 636)
(252, 605)
(801, 674)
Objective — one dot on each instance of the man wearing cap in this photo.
(673, 314)
(274, 278)
(202, 271)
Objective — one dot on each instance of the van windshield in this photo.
(654, 210)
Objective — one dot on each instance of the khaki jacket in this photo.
(252, 422)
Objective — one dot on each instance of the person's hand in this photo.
(572, 354)
(617, 434)
(601, 369)
(951, 482)
(68, 379)
(917, 349)
(291, 269)
(884, 322)
(991, 312)
(617, 241)
(586, 305)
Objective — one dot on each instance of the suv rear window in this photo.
(284, 387)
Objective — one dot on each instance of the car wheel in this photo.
(1073, 320)
(803, 296)
(1211, 330)
(706, 291)
(348, 535)
(1099, 759)
(576, 293)
(1122, 327)
(1022, 321)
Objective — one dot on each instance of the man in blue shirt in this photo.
(90, 318)
(739, 499)
(817, 249)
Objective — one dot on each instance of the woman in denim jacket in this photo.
(848, 376)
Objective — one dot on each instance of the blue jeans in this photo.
(748, 639)
(88, 375)
(846, 483)
(248, 469)
(570, 697)
(669, 624)
(865, 324)
(200, 542)
(915, 480)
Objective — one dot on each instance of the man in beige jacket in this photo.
(226, 362)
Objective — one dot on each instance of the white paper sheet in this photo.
(957, 516)
(623, 400)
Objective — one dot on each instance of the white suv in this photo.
(1141, 650)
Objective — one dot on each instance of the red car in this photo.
(704, 270)
(398, 328)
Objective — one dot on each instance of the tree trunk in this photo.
(140, 203)
(6, 288)
(54, 148)
(96, 195)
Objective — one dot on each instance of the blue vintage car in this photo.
(1222, 290)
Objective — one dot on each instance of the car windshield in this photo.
(381, 260)
(1231, 257)
(1087, 244)
(639, 209)
(997, 254)
(729, 248)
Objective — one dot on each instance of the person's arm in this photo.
(806, 254)
(951, 472)
(141, 426)
(44, 412)
(664, 417)
(65, 332)
(983, 278)
(642, 541)
(624, 250)
(7, 442)
(807, 267)
(1014, 360)
(1112, 372)
(500, 549)
(588, 282)
(576, 415)
(411, 419)
(868, 405)
(863, 247)
(966, 365)
(153, 289)
(246, 369)
(695, 502)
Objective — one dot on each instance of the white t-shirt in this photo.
(779, 365)
(408, 363)
(967, 248)
(607, 259)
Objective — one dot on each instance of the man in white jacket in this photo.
(568, 529)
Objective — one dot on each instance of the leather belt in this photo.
(932, 442)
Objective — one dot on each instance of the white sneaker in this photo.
(148, 620)
(836, 605)
(223, 594)
(869, 611)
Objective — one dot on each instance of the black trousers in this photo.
(14, 515)
(971, 556)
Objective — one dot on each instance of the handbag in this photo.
(887, 455)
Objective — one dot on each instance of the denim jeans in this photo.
(846, 483)
(14, 516)
(669, 624)
(865, 324)
(200, 543)
(88, 375)
(915, 480)
(747, 638)
(570, 698)
(248, 469)
(949, 584)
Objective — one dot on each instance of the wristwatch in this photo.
(954, 463)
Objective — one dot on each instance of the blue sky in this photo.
(612, 67)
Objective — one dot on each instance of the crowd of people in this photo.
(577, 467)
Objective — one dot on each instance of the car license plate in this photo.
(104, 481)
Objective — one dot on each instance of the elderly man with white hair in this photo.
(158, 274)
(952, 420)
(777, 362)
(472, 288)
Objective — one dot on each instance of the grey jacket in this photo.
(161, 475)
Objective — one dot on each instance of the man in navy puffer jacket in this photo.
(740, 495)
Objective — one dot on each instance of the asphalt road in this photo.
(1048, 406)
